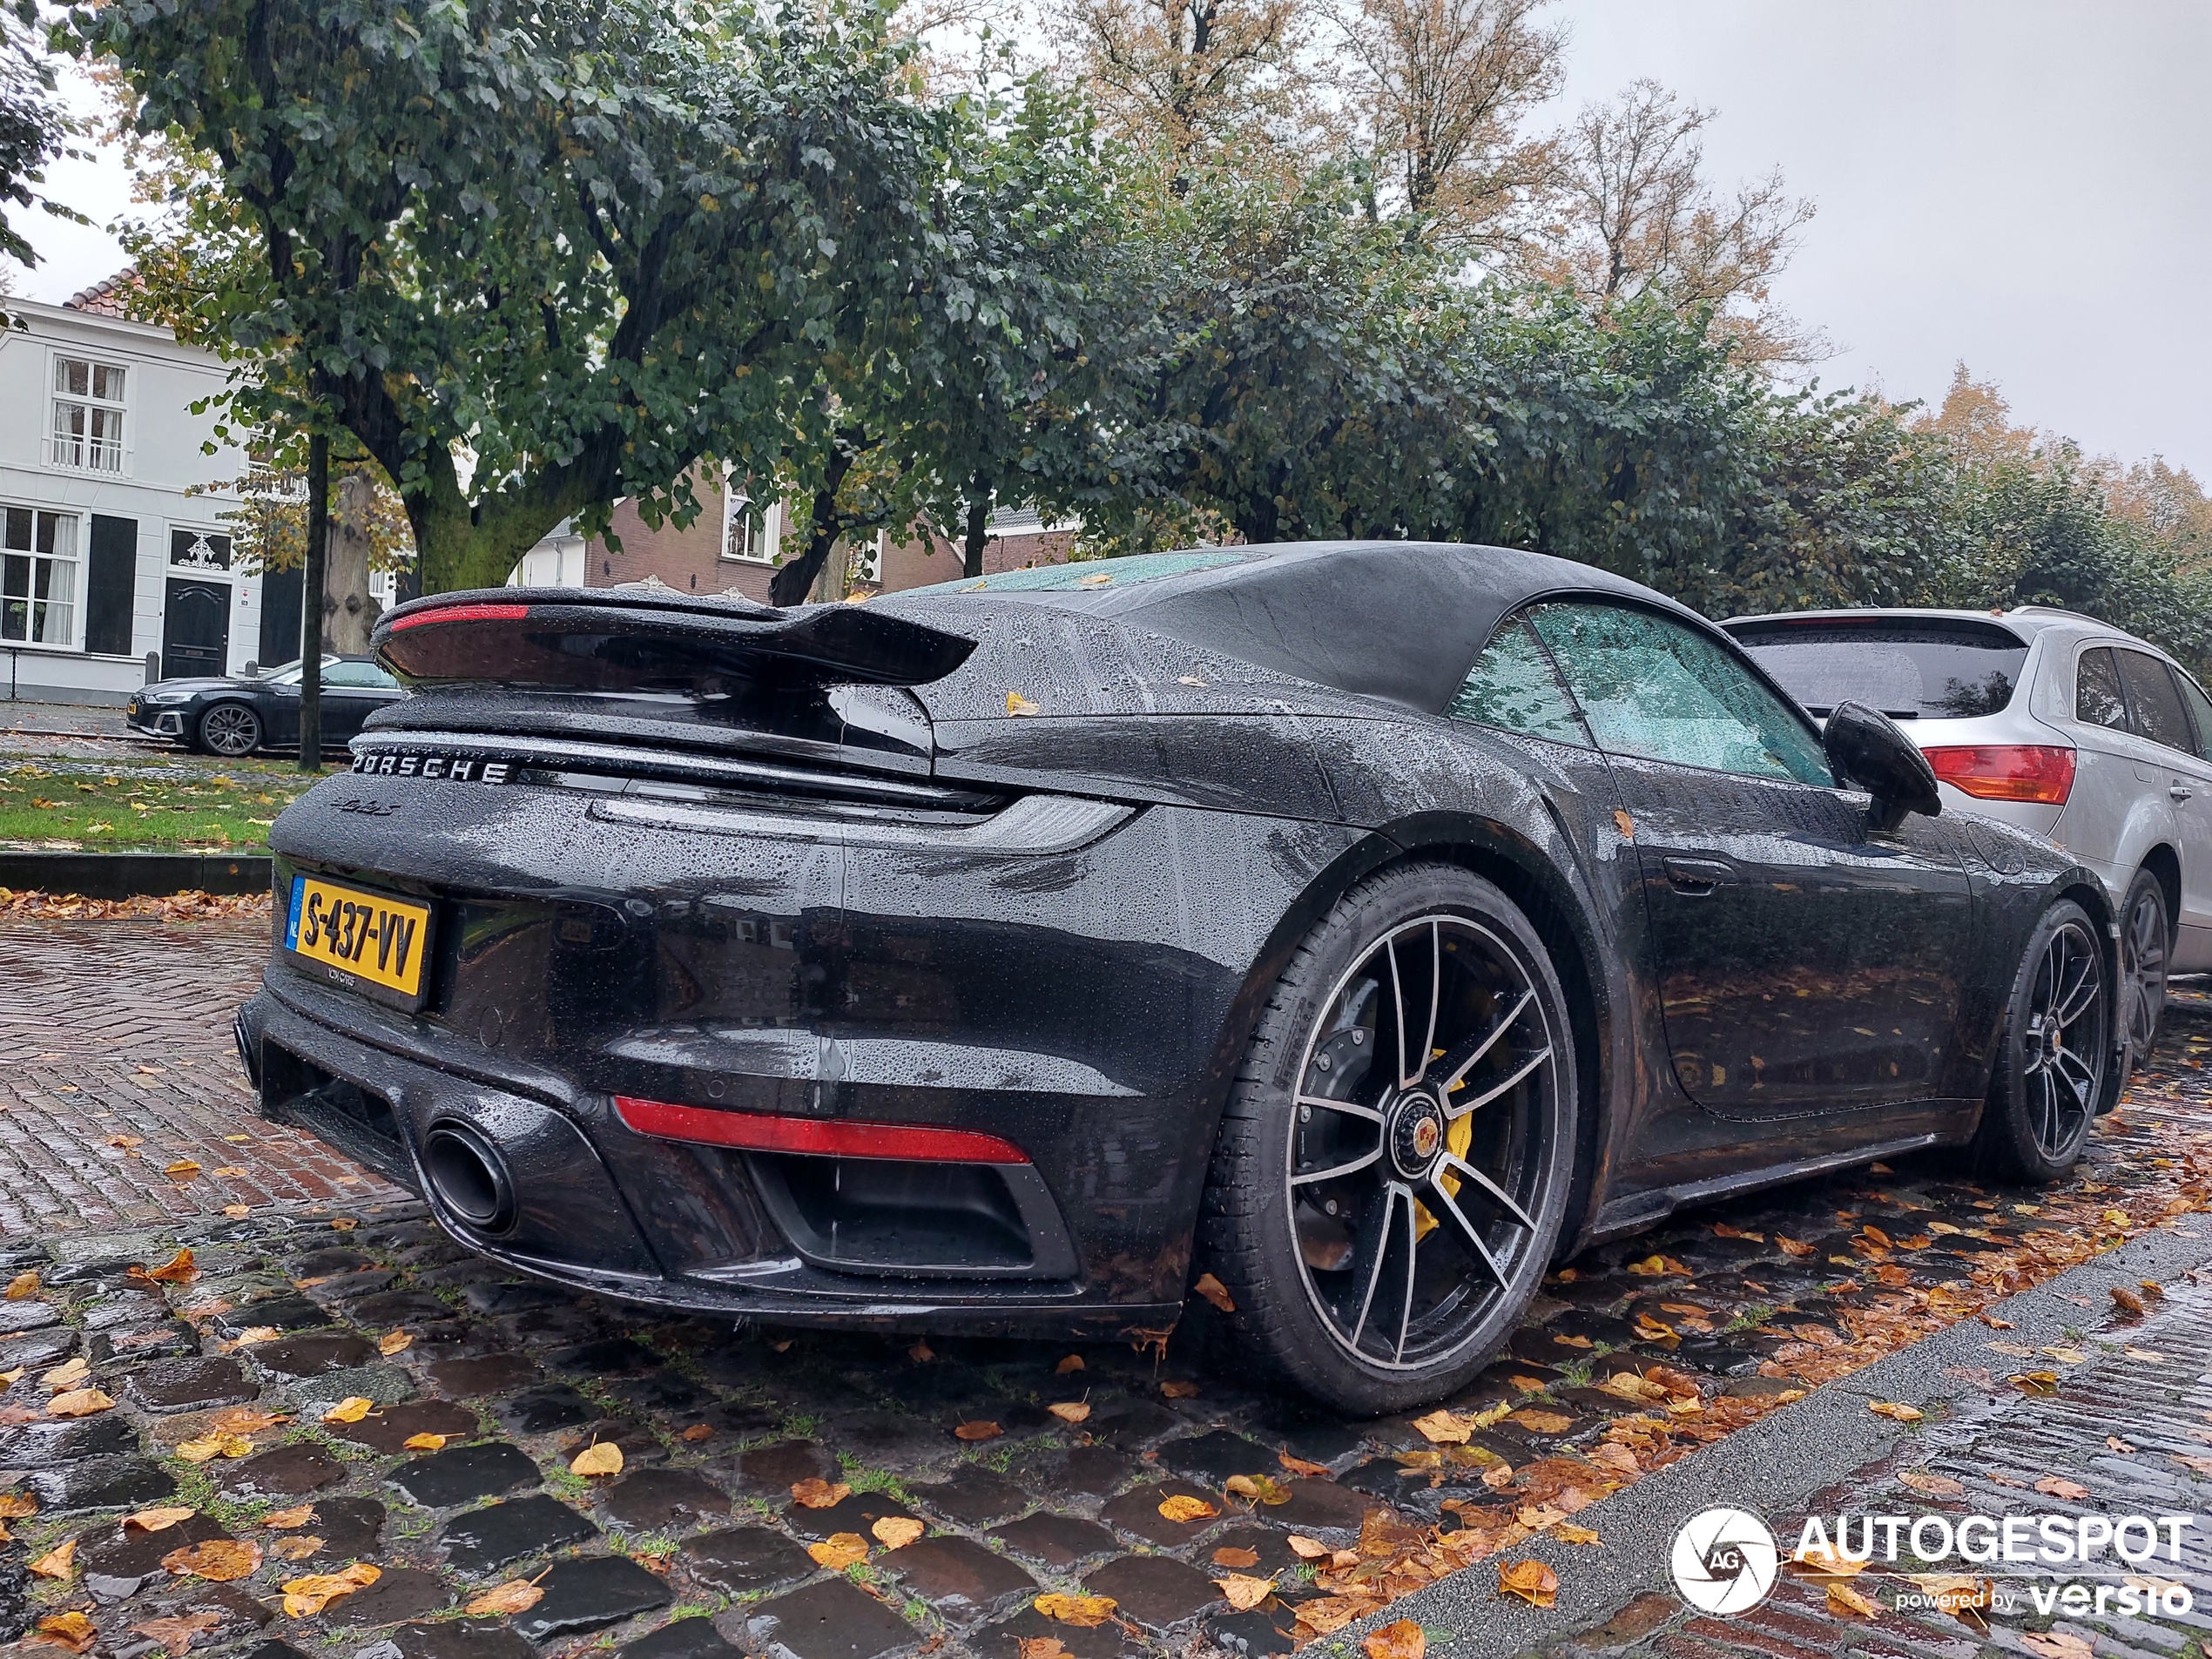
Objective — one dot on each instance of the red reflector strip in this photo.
(821, 1137)
(463, 613)
(2036, 771)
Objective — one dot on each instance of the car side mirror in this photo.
(1870, 752)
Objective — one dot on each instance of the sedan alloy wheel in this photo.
(230, 729)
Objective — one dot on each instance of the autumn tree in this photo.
(1630, 213)
(1190, 76)
(1437, 94)
(34, 130)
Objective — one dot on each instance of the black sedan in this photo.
(237, 716)
(1367, 925)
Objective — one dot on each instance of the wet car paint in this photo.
(1091, 1003)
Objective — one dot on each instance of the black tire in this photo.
(1305, 1224)
(2044, 1093)
(229, 729)
(2146, 942)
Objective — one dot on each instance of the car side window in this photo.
(2154, 707)
(364, 676)
(2200, 708)
(2097, 697)
(1648, 685)
(1511, 686)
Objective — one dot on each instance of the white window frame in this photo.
(75, 559)
(102, 457)
(771, 524)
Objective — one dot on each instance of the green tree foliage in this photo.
(536, 259)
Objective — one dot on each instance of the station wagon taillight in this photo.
(2036, 771)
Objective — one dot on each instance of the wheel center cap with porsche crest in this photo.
(1415, 1133)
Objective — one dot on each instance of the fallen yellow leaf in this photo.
(23, 1287)
(1017, 704)
(394, 1342)
(71, 1630)
(1307, 1549)
(1532, 1581)
(161, 1519)
(602, 1457)
(1566, 1531)
(1891, 1408)
(58, 1563)
(1403, 1640)
(78, 1402)
(1176, 1388)
(896, 1532)
(1441, 1427)
(1843, 1598)
(425, 1442)
(1085, 1612)
(516, 1595)
(305, 1597)
(978, 1431)
(1183, 1508)
(840, 1551)
(1243, 1591)
(1070, 1411)
(1259, 1488)
(178, 1270)
(289, 1520)
(814, 1493)
(1216, 1292)
(214, 1446)
(296, 1547)
(351, 1409)
(1073, 1362)
(218, 1559)
(61, 1378)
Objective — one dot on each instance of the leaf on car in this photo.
(602, 1457)
(1085, 1612)
(516, 1595)
(1843, 1598)
(218, 1559)
(896, 1532)
(1532, 1581)
(1894, 1409)
(1242, 1591)
(58, 1563)
(1216, 1292)
(814, 1493)
(159, 1519)
(177, 1633)
(1070, 1411)
(977, 1430)
(305, 1597)
(1183, 1509)
(840, 1551)
(1017, 704)
(78, 1402)
(351, 1409)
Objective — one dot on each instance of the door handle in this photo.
(2180, 791)
(1697, 877)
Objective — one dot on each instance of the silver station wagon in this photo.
(2052, 721)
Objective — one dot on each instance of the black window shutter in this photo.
(112, 586)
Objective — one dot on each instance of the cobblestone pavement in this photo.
(119, 1032)
(809, 1494)
(2122, 1433)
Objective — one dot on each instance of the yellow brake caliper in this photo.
(1459, 1134)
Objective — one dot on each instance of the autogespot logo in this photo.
(1725, 1561)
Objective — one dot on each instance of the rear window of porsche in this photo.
(1930, 670)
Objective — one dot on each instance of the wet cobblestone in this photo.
(700, 1545)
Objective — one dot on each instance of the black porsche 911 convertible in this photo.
(1370, 925)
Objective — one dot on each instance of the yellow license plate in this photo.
(367, 942)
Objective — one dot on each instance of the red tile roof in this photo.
(106, 298)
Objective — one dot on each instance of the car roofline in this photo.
(2023, 621)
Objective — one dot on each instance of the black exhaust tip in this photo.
(468, 1175)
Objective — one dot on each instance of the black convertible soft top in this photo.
(1401, 621)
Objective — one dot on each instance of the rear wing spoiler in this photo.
(607, 640)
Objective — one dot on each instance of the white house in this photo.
(107, 559)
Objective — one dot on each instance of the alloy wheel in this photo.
(2064, 1046)
(1415, 1174)
(2142, 969)
(231, 729)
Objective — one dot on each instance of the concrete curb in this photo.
(1770, 1467)
(132, 875)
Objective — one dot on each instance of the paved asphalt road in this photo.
(700, 1546)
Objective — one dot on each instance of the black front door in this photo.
(196, 629)
(1804, 963)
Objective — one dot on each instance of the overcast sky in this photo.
(2021, 184)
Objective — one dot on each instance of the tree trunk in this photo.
(979, 516)
(349, 611)
(790, 584)
(311, 611)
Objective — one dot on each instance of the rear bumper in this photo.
(596, 1207)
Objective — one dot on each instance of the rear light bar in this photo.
(462, 613)
(2036, 771)
(820, 1137)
